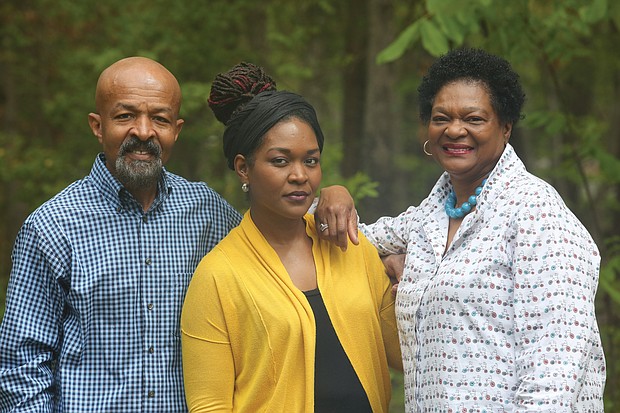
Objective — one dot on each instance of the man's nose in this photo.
(143, 128)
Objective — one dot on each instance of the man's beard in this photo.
(138, 174)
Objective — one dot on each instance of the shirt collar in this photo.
(508, 165)
(115, 193)
(502, 176)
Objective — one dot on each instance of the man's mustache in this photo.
(135, 144)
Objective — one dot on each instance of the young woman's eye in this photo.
(279, 161)
(312, 161)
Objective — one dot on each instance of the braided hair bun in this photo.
(230, 91)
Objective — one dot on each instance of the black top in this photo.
(336, 385)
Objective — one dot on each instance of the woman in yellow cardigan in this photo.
(276, 319)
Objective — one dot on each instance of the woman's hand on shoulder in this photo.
(336, 216)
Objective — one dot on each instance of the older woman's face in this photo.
(465, 134)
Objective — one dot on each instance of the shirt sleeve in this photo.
(208, 366)
(29, 335)
(390, 235)
(234, 218)
(555, 268)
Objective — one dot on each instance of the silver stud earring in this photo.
(426, 151)
(245, 187)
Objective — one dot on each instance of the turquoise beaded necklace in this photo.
(466, 207)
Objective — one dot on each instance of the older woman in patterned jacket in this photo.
(495, 306)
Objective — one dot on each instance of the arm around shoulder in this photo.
(336, 217)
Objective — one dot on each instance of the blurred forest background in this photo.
(359, 62)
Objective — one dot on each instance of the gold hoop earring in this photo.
(424, 149)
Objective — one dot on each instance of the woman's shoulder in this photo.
(226, 255)
(528, 191)
(530, 200)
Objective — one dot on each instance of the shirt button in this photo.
(151, 394)
(145, 218)
(147, 261)
(149, 306)
(151, 350)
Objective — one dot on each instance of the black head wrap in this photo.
(246, 128)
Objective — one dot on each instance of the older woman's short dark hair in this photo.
(494, 72)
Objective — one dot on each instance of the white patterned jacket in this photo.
(503, 320)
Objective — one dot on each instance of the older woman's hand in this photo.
(336, 217)
(394, 267)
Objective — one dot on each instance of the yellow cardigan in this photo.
(248, 333)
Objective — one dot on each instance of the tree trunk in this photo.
(381, 134)
(355, 13)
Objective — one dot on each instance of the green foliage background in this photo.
(359, 62)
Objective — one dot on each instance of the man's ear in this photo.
(94, 120)
(180, 123)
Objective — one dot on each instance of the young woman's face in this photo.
(285, 172)
(466, 137)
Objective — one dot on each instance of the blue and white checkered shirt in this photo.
(95, 296)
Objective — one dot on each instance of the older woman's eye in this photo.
(475, 119)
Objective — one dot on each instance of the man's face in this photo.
(137, 123)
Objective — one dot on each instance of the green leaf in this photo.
(607, 278)
(593, 12)
(398, 46)
(437, 7)
(433, 40)
(609, 164)
(451, 27)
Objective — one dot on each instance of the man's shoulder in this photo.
(191, 189)
(73, 195)
(179, 181)
(66, 207)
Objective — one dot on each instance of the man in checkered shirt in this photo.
(100, 270)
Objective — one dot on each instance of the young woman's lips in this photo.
(456, 150)
(297, 196)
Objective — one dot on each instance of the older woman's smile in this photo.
(456, 149)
